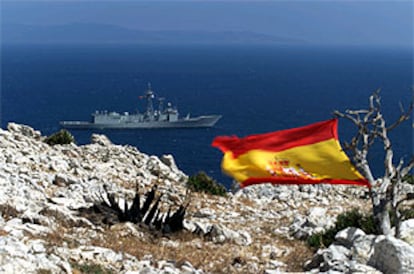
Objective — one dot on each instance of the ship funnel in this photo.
(161, 104)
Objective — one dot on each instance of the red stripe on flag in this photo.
(299, 181)
(279, 140)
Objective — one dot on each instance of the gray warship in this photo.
(167, 117)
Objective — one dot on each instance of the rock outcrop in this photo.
(44, 191)
(392, 255)
(355, 251)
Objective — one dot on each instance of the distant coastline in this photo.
(82, 33)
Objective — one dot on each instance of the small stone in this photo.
(38, 247)
(101, 140)
(60, 180)
(276, 264)
(348, 235)
(407, 231)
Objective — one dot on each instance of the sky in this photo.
(350, 22)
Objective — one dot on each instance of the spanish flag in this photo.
(306, 155)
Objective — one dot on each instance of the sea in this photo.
(256, 89)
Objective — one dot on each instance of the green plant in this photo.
(201, 182)
(61, 137)
(43, 271)
(323, 238)
(409, 179)
(407, 213)
(91, 269)
(351, 218)
(354, 218)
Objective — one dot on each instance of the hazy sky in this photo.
(375, 22)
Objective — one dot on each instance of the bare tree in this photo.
(386, 191)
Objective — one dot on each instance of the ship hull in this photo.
(196, 122)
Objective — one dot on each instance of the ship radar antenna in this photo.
(150, 96)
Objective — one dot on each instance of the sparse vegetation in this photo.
(8, 212)
(351, 218)
(201, 182)
(62, 137)
(407, 213)
(409, 179)
(44, 271)
(90, 269)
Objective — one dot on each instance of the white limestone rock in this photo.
(205, 213)
(347, 236)
(168, 160)
(127, 229)
(317, 217)
(99, 256)
(24, 130)
(299, 228)
(363, 247)
(28, 257)
(334, 258)
(101, 140)
(407, 231)
(218, 233)
(357, 268)
(392, 255)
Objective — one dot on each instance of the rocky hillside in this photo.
(49, 224)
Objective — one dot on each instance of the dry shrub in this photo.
(212, 258)
(189, 248)
(299, 255)
(186, 246)
(58, 237)
(61, 137)
(8, 212)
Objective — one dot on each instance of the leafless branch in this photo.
(406, 198)
(371, 127)
(406, 170)
(404, 116)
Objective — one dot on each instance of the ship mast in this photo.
(150, 95)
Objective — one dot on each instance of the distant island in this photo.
(82, 33)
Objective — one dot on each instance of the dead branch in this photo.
(371, 127)
(404, 116)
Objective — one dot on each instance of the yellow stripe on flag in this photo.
(318, 161)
